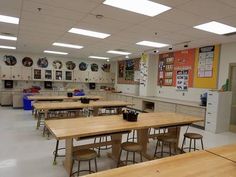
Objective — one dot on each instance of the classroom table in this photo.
(194, 164)
(38, 98)
(49, 106)
(80, 128)
(227, 151)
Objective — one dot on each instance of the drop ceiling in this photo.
(38, 30)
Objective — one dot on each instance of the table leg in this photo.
(69, 153)
(116, 142)
(95, 111)
(142, 136)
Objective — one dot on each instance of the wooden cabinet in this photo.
(69, 76)
(138, 103)
(6, 98)
(164, 107)
(218, 111)
(81, 76)
(58, 75)
(37, 74)
(26, 73)
(194, 111)
(17, 100)
(48, 74)
(6, 73)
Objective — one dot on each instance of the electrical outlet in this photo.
(183, 94)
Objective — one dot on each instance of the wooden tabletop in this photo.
(195, 164)
(77, 105)
(90, 126)
(227, 151)
(59, 97)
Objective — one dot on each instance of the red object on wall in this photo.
(184, 60)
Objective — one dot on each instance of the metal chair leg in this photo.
(182, 147)
(56, 151)
(190, 145)
(202, 144)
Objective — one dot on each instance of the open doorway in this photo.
(232, 87)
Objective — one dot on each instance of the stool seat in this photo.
(131, 147)
(193, 135)
(85, 154)
(167, 139)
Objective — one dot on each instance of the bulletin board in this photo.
(127, 71)
(183, 69)
(165, 69)
(206, 67)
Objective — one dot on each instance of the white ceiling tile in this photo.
(8, 28)
(229, 2)
(171, 3)
(211, 8)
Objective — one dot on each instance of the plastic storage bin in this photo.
(27, 103)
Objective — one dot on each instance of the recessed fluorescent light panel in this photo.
(216, 27)
(89, 33)
(97, 57)
(144, 7)
(152, 44)
(67, 45)
(11, 38)
(7, 47)
(8, 19)
(118, 52)
(55, 52)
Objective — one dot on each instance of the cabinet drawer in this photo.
(210, 126)
(212, 97)
(164, 107)
(211, 118)
(194, 111)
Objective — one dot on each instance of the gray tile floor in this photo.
(25, 153)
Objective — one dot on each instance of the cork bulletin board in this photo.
(126, 71)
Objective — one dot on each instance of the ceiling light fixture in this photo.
(7, 47)
(216, 27)
(152, 44)
(118, 52)
(11, 38)
(89, 33)
(9, 19)
(144, 7)
(97, 57)
(55, 52)
(67, 45)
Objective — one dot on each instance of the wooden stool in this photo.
(194, 137)
(84, 155)
(130, 147)
(171, 141)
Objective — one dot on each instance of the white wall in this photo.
(227, 56)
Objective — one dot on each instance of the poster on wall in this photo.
(205, 61)
(165, 69)
(182, 80)
(184, 69)
(143, 70)
(10, 60)
(121, 69)
(129, 70)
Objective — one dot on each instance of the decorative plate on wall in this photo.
(106, 67)
(42, 62)
(94, 67)
(10, 60)
(83, 66)
(70, 65)
(57, 64)
(27, 62)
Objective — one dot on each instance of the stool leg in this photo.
(190, 145)
(133, 157)
(71, 169)
(133, 135)
(127, 156)
(95, 163)
(99, 148)
(194, 141)
(182, 147)
(170, 149)
(89, 166)
(141, 157)
(202, 144)
(162, 147)
(78, 168)
(55, 155)
(156, 149)
(118, 163)
(128, 137)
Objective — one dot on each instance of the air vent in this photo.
(230, 34)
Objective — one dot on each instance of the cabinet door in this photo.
(16, 73)
(6, 73)
(6, 98)
(26, 73)
(69, 76)
(37, 74)
(48, 74)
(58, 75)
(94, 77)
